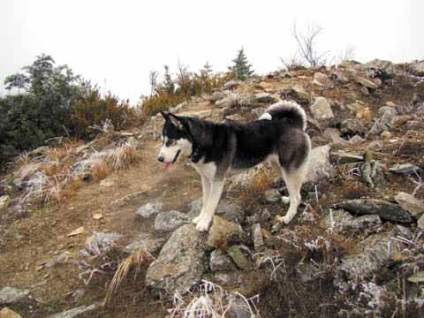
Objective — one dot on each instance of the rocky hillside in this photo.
(102, 230)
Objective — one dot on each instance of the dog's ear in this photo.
(176, 121)
(165, 115)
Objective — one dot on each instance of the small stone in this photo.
(10, 295)
(169, 221)
(237, 255)
(346, 157)
(410, 204)
(145, 242)
(266, 86)
(77, 231)
(97, 216)
(300, 93)
(217, 96)
(220, 262)
(321, 109)
(366, 83)
(8, 313)
(149, 210)
(420, 222)
(350, 127)
(264, 98)
(405, 168)
(323, 80)
(75, 312)
(417, 277)
(4, 202)
(223, 232)
(258, 240)
(386, 135)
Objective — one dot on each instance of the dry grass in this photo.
(134, 261)
(255, 185)
(212, 301)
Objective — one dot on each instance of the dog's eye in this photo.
(170, 142)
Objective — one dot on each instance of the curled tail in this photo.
(289, 110)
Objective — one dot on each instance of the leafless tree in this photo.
(153, 80)
(307, 45)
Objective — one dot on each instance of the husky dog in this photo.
(217, 149)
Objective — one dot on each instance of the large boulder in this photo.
(180, 264)
(321, 109)
(320, 166)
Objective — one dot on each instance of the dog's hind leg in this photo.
(206, 189)
(293, 180)
(208, 210)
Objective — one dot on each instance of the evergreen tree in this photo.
(241, 67)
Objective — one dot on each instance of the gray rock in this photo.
(146, 242)
(323, 80)
(171, 220)
(220, 262)
(226, 209)
(365, 223)
(332, 135)
(417, 277)
(4, 202)
(237, 255)
(258, 240)
(341, 221)
(356, 140)
(386, 66)
(321, 109)
(230, 85)
(149, 210)
(340, 77)
(410, 204)
(300, 94)
(337, 220)
(417, 68)
(352, 127)
(75, 312)
(342, 157)
(216, 96)
(420, 222)
(366, 82)
(386, 210)
(264, 98)
(405, 168)
(10, 295)
(180, 263)
(371, 255)
(223, 103)
(320, 166)
(228, 279)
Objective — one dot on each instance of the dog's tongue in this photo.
(168, 166)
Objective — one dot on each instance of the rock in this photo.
(356, 140)
(337, 220)
(342, 157)
(300, 94)
(10, 295)
(365, 223)
(386, 135)
(418, 277)
(149, 210)
(417, 68)
(343, 222)
(386, 210)
(370, 256)
(222, 233)
(410, 204)
(4, 202)
(237, 255)
(171, 220)
(258, 240)
(420, 222)
(216, 96)
(230, 211)
(321, 109)
(146, 242)
(323, 80)
(230, 279)
(99, 243)
(233, 84)
(235, 117)
(8, 313)
(386, 66)
(405, 168)
(223, 103)
(265, 98)
(340, 77)
(366, 82)
(350, 127)
(220, 262)
(60, 259)
(180, 263)
(75, 312)
(265, 86)
(319, 164)
(332, 135)
(272, 196)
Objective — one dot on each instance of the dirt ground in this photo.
(35, 241)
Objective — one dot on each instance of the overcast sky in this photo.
(117, 43)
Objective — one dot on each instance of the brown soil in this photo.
(39, 238)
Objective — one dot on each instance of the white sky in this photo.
(117, 43)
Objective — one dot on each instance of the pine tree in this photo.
(241, 67)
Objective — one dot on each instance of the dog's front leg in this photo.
(206, 189)
(208, 210)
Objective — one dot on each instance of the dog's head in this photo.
(175, 139)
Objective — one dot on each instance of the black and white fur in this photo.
(218, 149)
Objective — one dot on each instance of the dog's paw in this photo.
(203, 225)
(196, 219)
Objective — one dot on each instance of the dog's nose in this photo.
(161, 159)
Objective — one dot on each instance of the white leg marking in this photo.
(206, 189)
(208, 211)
